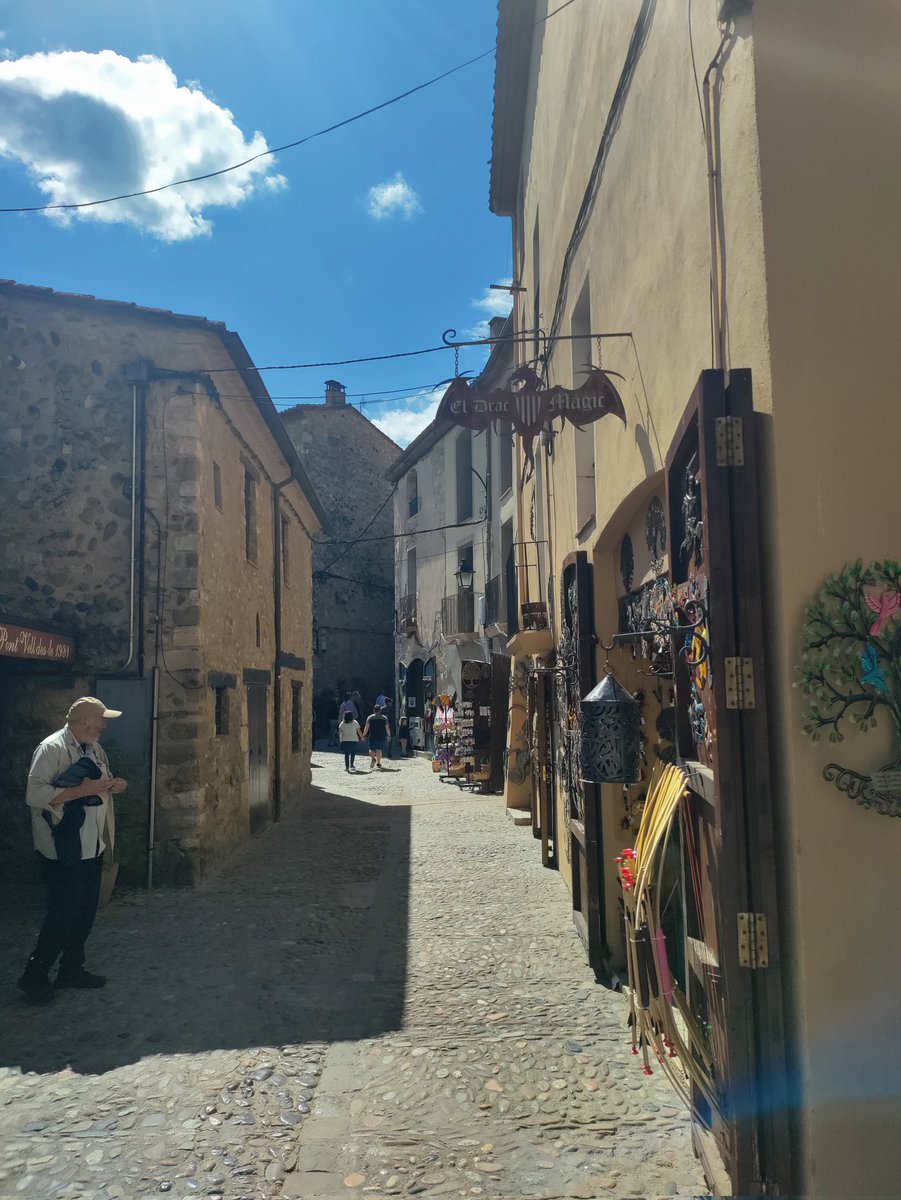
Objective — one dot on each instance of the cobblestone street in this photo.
(382, 995)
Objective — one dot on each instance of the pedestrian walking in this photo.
(403, 735)
(349, 733)
(72, 825)
(377, 732)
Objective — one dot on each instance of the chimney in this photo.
(496, 326)
(335, 392)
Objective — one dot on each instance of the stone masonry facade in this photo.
(345, 456)
(208, 610)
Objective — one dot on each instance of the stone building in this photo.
(345, 457)
(719, 227)
(155, 549)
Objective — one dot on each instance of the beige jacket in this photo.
(54, 755)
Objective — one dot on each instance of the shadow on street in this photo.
(302, 937)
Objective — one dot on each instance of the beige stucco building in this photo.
(454, 509)
(157, 520)
(717, 186)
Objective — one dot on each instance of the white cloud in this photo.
(93, 125)
(408, 419)
(393, 196)
(492, 304)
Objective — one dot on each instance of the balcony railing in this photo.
(496, 601)
(458, 613)
(406, 614)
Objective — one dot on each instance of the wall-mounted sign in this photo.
(850, 671)
(17, 641)
(532, 404)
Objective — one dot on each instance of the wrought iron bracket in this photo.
(694, 611)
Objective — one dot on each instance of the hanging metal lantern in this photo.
(611, 734)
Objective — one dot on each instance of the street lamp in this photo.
(464, 576)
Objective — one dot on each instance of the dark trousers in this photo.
(350, 753)
(73, 890)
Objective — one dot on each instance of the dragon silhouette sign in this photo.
(530, 404)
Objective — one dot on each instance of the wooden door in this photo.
(575, 676)
(726, 835)
(258, 756)
(500, 713)
(541, 754)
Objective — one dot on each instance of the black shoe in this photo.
(36, 986)
(78, 978)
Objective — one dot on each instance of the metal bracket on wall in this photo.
(753, 942)
(730, 442)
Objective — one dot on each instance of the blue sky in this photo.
(372, 239)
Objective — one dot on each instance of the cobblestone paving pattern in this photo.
(383, 995)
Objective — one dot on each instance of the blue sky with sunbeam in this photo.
(372, 239)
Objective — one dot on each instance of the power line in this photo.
(383, 537)
(275, 149)
(254, 157)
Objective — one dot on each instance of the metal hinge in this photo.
(730, 442)
(739, 674)
(753, 946)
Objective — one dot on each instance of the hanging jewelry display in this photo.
(655, 533)
(692, 514)
(627, 563)
(850, 668)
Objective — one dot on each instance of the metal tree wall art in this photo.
(851, 668)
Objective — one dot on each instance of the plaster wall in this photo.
(811, 189)
(645, 252)
(439, 553)
(829, 120)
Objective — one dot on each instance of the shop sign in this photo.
(532, 404)
(16, 641)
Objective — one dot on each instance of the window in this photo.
(580, 328)
(217, 486)
(221, 711)
(411, 572)
(285, 526)
(259, 631)
(412, 494)
(250, 517)
(463, 447)
(296, 714)
(505, 455)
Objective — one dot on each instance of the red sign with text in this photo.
(18, 642)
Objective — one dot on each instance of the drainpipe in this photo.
(277, 581)
(136, 374)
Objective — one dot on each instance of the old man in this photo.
(72, 865)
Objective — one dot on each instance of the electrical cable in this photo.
(272, 151)
(382, 537)
(254, 157)
(359, 538)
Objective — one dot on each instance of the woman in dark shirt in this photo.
(378, 731)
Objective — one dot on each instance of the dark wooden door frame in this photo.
(735, 804)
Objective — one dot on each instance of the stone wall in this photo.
(65, 500)
(346, 457)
